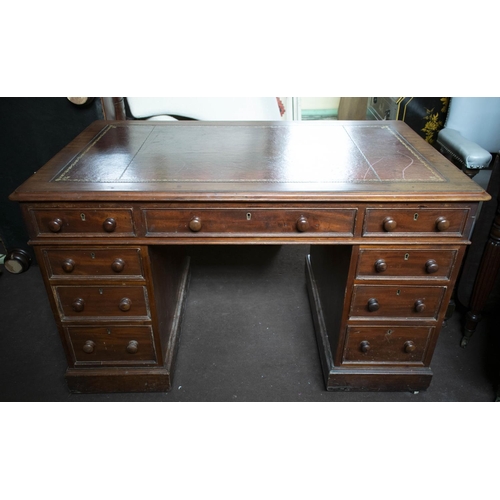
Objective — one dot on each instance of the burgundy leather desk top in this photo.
(315, 161)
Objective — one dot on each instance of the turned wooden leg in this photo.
(485, 280)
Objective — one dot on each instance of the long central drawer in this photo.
(226, 222)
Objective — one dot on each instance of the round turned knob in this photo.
(409, 346)
(364, 346)
(419, 306)
(373, 305)
(195, 224)
(89, 347)
(302, 224)
(68, 265)
(55, 225)
(380, 266)
(78, 305)
(133, 347)
(389, 224)
(109, 225)
(442, 224)
(125, 304)
(118, 265)
(431, 266)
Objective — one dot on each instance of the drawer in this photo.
(415, 222)
(112, 344)
(96, 263)
(126, 302)
(397, 302)
(386, 344)
(88, 221)
(229, 222)
(382, 263)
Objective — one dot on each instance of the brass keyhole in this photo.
(415, 217)
(249, 216)
(398, 292)
(407, 256)
(92, 255)
(82, 216)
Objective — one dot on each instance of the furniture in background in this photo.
(425, 115)
(471, 139)
(112, 215)
(204, 108)
(353, 108)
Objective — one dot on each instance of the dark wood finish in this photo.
(387, 217)
(228, 222)
(112, 345)
(394, 345)
(423, 263)
(120, 263)
(399, 303)
(412, 222)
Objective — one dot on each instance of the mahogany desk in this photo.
(387, 217)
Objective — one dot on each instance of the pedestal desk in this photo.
(387, 217)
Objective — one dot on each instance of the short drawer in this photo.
(387, 344)
(112, 344)
(95, 263)
(396, 302)
(88, 221)
(381, 263)
(230, 222)
(119, 302)
(415, 222)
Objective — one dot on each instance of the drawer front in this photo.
(120, 302)
(387, 344)
(70, 263)
(228, 222)
(112, 345)
(382, 263)
(382, 222)
(396, 302)
(91, 221)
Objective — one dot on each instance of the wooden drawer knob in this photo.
(55, 225)
(68, 265)
(442, 224)
(373, 305)
(78, 305)
(380, 266)
(133, 347)
(109, 225)
(302, 224)
(89, 347)
(431, 266)
(409, 346)
(389, 224)
(125, 304)
(118, 265)
(419, 306)
(195, 224)
(364, 346)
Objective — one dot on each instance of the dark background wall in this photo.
(33, 130)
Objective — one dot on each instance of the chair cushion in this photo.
(468, 153)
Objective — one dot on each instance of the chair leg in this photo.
(485, 280)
